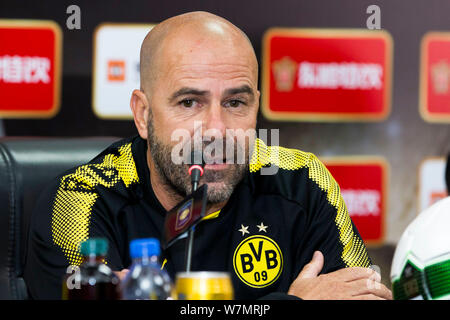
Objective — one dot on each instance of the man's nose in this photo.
(215, 119)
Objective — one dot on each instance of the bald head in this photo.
(178, 38)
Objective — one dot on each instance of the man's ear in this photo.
(140, 108)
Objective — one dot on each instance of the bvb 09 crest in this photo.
(258, 261)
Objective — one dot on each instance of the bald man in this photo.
(280, 234)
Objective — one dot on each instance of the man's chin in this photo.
(218, 192)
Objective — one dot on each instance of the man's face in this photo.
(211, 84)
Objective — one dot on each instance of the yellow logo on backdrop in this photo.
(258, 261)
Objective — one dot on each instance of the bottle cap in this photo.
(94, 246)
(146, 247)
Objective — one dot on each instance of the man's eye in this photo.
(188, 103)
(234, 103)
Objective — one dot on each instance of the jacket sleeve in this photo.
(330, 228)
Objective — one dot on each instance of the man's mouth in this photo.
(216, 163)
(216, 166)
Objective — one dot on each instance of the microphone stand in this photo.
(190, 244)
(195, 171)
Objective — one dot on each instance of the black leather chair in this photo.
(26, 165)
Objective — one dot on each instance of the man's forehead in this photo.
(204, 76)
(222, 69)
(198, 49)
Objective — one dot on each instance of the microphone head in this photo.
(197, 165)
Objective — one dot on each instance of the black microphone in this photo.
(196, 169)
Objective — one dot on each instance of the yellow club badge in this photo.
(258, 261)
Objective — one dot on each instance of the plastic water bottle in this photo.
(146, 280)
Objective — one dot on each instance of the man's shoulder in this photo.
(291, 173)
(277, 162)
(113, 165)
(110, 170)
(65, 209)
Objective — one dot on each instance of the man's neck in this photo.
(168, 197)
